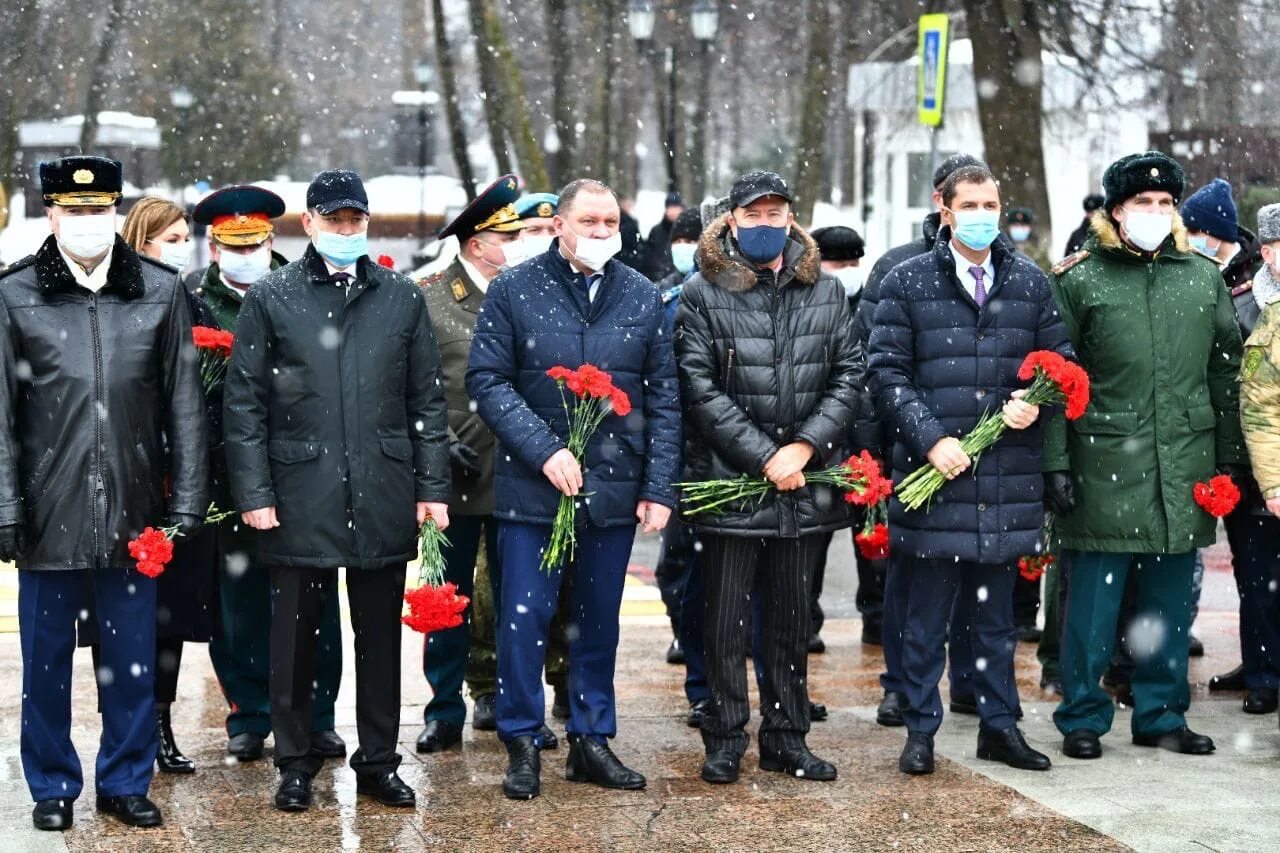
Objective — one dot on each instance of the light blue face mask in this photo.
(1201, 244)
(977, 229)
(341, 250)
(682, 256)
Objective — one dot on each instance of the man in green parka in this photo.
(1153, 324)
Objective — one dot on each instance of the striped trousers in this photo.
(729, 566)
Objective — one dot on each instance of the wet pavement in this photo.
(1132, 798)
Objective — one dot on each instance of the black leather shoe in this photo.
(889, 712)
(1124, 694)
(52, 815)
(817, 712)
(328, 744)
(1233, 680)
(816, 645)
(524, 769)
(1009, 746)
(246, 746)
(549, 739)
(592, 761)
(387, 788)
(294, 793)
(917, 754)
(798, 762)
(1181, 740)
(1263, 700)
(1195, 648)
(1028, 634)
(1051, 684)
(721, 767)
(698, 712)
(484, 716)
(1082, 743)
(438, 735)
(675, 653)
(560, 703)
(131, 810)
(169, 759)
(872, 634)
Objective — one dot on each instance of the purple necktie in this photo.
(979, 288)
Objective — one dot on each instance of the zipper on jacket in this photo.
(100, 489)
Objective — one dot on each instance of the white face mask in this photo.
(87, 236)
(851, 278)
(175, 254)
(512, 253)
(593, 253)
(245, 269)
(1147, 230)
(536, 244)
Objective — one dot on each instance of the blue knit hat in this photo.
(1211, 209)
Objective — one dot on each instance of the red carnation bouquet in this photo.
(433, 605)
(1033, 566)
(595, 397)
(1218, 497)
(215, 351)
(1054, 380)
(153, 547)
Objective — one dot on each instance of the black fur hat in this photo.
(1138, 173)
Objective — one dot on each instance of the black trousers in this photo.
(376, 597)
(816, 617)
(729, 566)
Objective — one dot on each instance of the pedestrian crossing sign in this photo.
(931, 78)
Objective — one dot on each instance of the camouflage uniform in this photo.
(1260, 399)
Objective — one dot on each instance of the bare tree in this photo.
(491, 89)
(98, 73)
(809, 170)
(449, 92)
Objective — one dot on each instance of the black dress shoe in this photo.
(798, 762)
(438, 735)
(917, 755)
(1009, 746)
(1181, 740)
(387, 788)
(889, 712)
(1261, 700)
(131, 810)
(484, 716)
(721, 767)
(294, 793)
(817, 712)
(52, 815)
(1051, 684)
(560, 703)
(816, 645)
(1195, 648)
(872, 635)
(169, 759)
(549, 739)
(1233, 680)
(1124, 694)
(524, 769)
(1028, 634)
(246, 746)
(698, 712)
(328, 744)
(592, 761)
(675, 653)
(1082, 743)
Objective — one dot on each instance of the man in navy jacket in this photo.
(573, 305)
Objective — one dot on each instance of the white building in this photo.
(1083, 131)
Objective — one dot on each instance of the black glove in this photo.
(465, 459)
(1059, 492)
(188, 525)
(12, 542)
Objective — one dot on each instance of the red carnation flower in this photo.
(874, 544)
(595, 381)
(1033, 567)
(386, 261)
(214, 340)
(434, 608)
(559, 373)
(1218, 497)
(620, 402)
(153, 549)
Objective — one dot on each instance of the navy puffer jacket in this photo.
(936, 364)
(536, 316)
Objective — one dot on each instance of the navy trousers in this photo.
(894, 614)
(933, 587)
(1255, 555)
(48, 604)
(692, 610)
(445, 653)
(528, 601)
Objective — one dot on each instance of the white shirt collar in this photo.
(473, 273)
(93, 281)
(349, 270)
(966, 277)
(238, 289)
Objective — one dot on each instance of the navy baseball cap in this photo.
(335, 189)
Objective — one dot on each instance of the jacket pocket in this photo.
(1201, 417)
(1094, 422)
(38, 483)
(289, 450)
(396, 448)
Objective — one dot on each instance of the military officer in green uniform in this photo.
(240, 246)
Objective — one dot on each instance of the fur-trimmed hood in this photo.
(721, 264)
(1105, 230)
(123, 276)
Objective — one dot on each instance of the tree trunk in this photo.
(558, 43)
(1006, 40)
(20, 23)
(98, 73)
(413, 45)
(605, 165)
(449, 91)
(490, 86)
(517, 125)
(701, 126)
(810, 140)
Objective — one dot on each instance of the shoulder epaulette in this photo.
(20, 264)
(434, 278)
(1241, 289)
(1069, 261)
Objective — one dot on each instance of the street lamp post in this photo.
(641, 19)
(705, 18)
(423, 98)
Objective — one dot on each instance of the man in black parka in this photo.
(336, 450)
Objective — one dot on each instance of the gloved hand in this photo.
(1059, 492)
(465, 459)
(13, 543)
(188, 525)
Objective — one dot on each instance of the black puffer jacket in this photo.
(765, 360)
(90, 384)
(334, 414)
